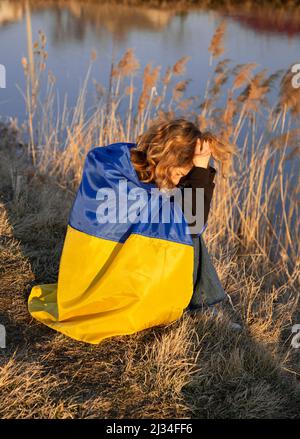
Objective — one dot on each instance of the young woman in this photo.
(176, 153)
(122, 271)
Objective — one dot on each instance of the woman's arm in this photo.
(199, 177)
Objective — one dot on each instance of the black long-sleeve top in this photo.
(202, 178)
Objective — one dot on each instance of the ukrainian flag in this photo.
(116, 277)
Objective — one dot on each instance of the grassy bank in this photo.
(197, 366)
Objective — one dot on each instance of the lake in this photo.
(73, 29)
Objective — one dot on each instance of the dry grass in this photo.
(195, 367)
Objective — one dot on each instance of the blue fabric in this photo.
(104, 167)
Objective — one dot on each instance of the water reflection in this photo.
(268, 21)
(11, 12)
(75, 18)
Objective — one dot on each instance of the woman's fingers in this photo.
(205, 149)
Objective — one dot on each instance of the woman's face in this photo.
(178, 172)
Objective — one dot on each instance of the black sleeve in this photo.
(199, 177)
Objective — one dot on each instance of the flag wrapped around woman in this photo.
(115, 278)
(123, 268)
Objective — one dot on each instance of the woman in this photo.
(155, 159)
(123, 267)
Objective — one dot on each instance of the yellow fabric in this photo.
(106, 288)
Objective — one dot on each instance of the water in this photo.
(157, 37)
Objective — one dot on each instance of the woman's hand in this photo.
(201, 157)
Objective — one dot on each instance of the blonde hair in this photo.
(171, 143)
(221, 151)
